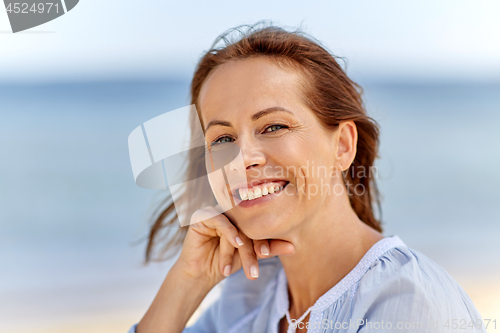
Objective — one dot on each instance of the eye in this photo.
(224, 139)
(274, 128)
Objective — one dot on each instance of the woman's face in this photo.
(259, 106)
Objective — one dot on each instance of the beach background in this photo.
(73, 222)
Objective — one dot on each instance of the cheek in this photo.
(218, 186)
(296, 152)
(290, 150)
(308, 164)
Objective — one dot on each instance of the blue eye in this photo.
(223, 139)
(274, 128)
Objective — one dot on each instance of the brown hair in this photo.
(328, 92)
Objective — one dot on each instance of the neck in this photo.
(327, 248)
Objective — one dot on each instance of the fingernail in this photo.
(227, 270)
(264, 250)
(239, 241)
(254, 272)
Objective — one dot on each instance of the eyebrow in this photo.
(256, 116)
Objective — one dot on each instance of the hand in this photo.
(215, 248)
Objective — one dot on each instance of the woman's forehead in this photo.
(246, 85)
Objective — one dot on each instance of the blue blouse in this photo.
(391, 289)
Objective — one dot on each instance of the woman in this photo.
(325, 265)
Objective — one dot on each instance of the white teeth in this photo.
(243, 194)
(257, 192)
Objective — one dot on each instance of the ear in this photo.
(346, 140)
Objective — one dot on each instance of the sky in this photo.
(445, 39)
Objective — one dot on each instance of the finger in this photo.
(280, 247)
(236, 262)
(226, 253)
(215, 224)
(261, 248)
(249, 258)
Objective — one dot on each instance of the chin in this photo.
(261, 228)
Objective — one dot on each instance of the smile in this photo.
(260, 193)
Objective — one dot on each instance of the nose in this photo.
(253, 160)
(253, 156)
(251, 152)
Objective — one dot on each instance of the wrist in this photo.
(200, 283)
(193, 275)
(176, 301)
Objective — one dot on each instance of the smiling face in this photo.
(259, 106)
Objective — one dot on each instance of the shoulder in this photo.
(405, 285)
(409, 271)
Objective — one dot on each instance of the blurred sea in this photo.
(72, 218)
